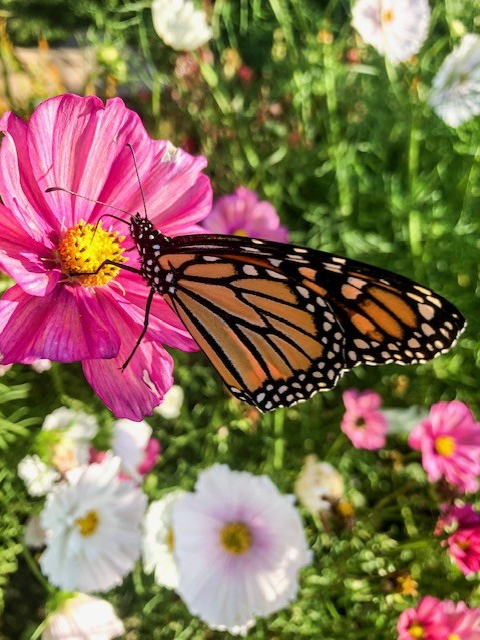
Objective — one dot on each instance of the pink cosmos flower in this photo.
(449, 440)
(463, 523)
(427, 621)
(241, 213)
(362, 422)
(434, 619)
(80, 144)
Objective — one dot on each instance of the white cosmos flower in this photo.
(239, 546)
(318, 485)
(83, 617)
(68, 434)
(130, 441)
(396, 28)
(37, 476)
(180, 25)
(93, 526)
(455, 95)
(158, 540)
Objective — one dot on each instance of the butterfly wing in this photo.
(280, 322)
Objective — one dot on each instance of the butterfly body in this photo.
(281, 322)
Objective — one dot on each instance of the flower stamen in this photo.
(445, 446)
(236, 538)
(83, 249)
(88, 524)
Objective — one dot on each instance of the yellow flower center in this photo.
(387, 16)
(445, 446)
(84, 248)
(236, 538)
(170, 539)
(88, 524)
(240, 232)
(453, 636)
(416, 631)
(345, 508)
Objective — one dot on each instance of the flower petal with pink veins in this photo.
(53, 327)
(134, 392)
(27, 261)
(19, 189)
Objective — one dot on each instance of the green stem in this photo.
(33, 566)
(338, 147)
(279, 445)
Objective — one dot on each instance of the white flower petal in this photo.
(158, 556)
(455, 94)
(83, 617)
(180, 25)
(396, 28)
(37, 476)
(130, 440)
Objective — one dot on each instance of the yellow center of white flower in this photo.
(445, 446)
(170, 540)
(84, 248)
(387, 16)
(88, 524)
(416, 631)
(236, 538)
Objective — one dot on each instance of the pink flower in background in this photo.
(435, 619)
(363, 422)
(80, 144)
(241, 213)
(463, 523)
(449, 440)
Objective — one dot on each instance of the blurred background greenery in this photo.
(288, 101)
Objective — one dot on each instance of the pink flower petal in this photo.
(27, 261)
(18, 186)
(134, 392)
(34, 327)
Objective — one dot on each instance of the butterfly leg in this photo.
(144, 330)
(112, 263)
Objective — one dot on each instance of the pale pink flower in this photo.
(363, 422)
(463, 525)
(80, 144)
(239, 546)
(449, 440)
(242, 213)
(463, 622)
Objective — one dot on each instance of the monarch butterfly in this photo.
(280, 322)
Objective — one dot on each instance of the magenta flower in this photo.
(80, 144)
(427, 621)
(434, 619)
(363, 422)
(242, 214)
(449, 440)
(463, 523)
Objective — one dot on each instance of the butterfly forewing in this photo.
(280, 323)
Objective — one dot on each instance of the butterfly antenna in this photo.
(105, 204)
(138, 178)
